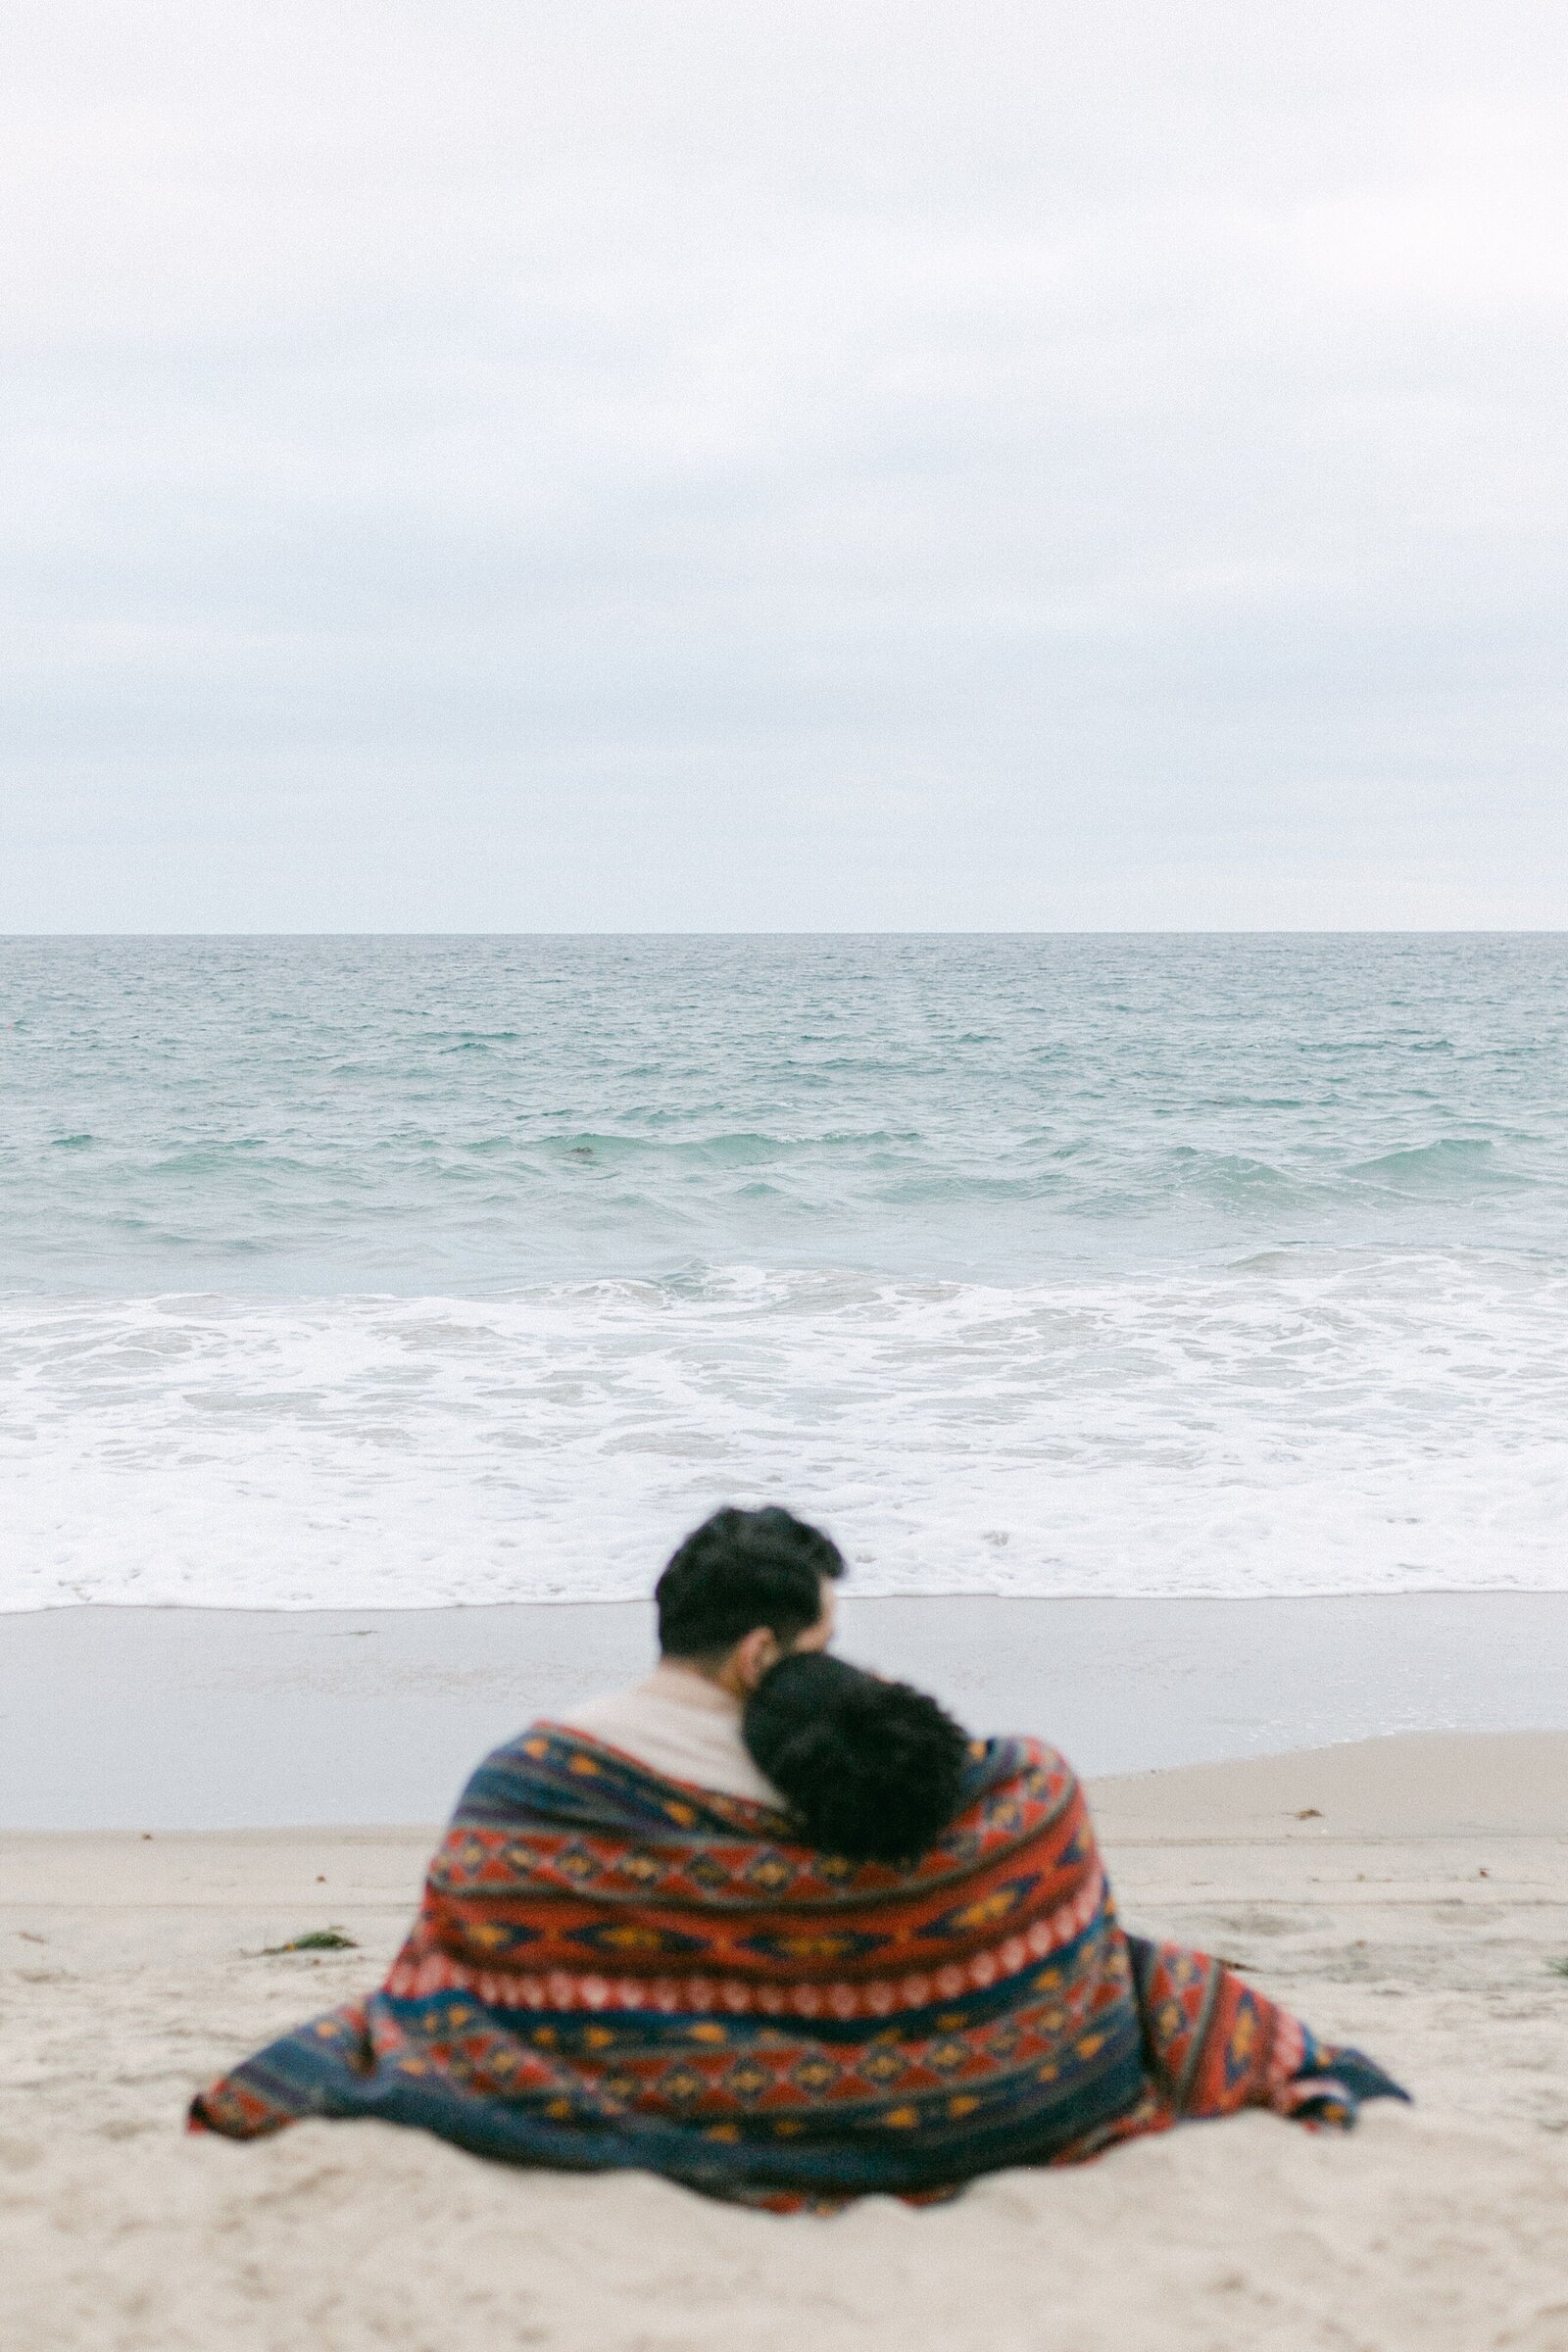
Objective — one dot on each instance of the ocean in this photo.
(354, 1272)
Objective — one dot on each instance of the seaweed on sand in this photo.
(318, 1939)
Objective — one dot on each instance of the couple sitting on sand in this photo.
(779, 1929)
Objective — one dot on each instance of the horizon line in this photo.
(1149, 931)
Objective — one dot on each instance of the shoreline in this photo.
(116, 1717)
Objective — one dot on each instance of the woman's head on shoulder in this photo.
(872, 1770)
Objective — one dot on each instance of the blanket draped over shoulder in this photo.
(612, 1969)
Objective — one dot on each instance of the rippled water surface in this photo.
(408, 1271)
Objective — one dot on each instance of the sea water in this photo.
(340, 1272)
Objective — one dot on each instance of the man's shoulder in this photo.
(594, 1714)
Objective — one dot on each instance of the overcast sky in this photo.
(587, 465)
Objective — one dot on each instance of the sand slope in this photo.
(1416, 1910)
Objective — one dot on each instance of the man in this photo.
(630, 1953)
(746, 1589)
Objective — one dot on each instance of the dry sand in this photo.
(1408, 1894)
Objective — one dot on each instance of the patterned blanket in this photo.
(611, 1969)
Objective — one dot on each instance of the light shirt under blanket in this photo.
(679, 1724)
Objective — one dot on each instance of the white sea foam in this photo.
(1299, 1423)
(1192, 1265)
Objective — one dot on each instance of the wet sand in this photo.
(132, 1718)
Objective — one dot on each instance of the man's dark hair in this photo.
(737, 1571)
(873, 1771)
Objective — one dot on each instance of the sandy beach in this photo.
(1410, 1894)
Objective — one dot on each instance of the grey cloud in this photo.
(662, 467)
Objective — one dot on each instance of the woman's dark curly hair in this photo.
(872, 1770)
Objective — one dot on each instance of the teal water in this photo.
(427, 1113)
(353, 1269)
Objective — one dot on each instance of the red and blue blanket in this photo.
(610, 1969)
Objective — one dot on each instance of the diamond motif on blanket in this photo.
(983, 1913)
(576, 1863)
(769, 1874)
(639, 1868)
(746, 2081)
(814, 2074)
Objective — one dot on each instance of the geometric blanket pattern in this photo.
(611, 1969)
